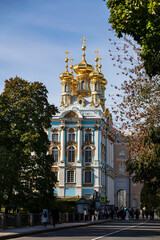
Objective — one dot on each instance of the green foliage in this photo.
(24, 114)
(141, 20)
(65, 206)
(149, 198)
(137, 108)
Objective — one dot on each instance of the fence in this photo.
(24, 220)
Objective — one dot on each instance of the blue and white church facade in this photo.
(81, 146)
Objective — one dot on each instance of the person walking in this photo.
(45, 218)
(54, 215)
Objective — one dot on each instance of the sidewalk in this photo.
(19, 232)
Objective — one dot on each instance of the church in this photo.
(81, 144)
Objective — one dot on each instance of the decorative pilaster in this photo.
(79, 143)
(62, 143)
(96, 143)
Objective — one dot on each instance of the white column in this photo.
(62, 143)
(79, 144)
(96, 143)
(79, 182)
(61, 181)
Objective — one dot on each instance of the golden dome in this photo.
(66, 75)
(83, 66)
(96, 74)
(104, 81)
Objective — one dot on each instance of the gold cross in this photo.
(83, 39)
(66, 52)
(71, 59)
(96, 52)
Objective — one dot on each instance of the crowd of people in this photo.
(120, 213)
(103, 213)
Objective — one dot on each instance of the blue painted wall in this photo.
(70, 192)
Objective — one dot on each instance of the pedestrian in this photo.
(143, 212)
(146, 213)
(54, 216)
(85, 213)
(96, 213)
(152, 214)
(127, 214)
(137, 213)
(92, 214)
(45, 218)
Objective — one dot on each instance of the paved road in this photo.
(117, 230)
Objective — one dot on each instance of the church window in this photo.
(65, 87)
(88, 137)
(88, 154)
(70, 176)
(82, 84)
(71, 137)
(88, 177)
(71, 154)
(55, 153)
(55, 137)
(95, 87)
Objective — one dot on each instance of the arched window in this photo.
(88, 137)
(65, 87)
(71, 154)
(88, 154)
(82, 85)
(122, 198)
(95, 87)
(55, 154)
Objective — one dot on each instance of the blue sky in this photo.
(34, 34)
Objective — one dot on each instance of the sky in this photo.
(34, 34)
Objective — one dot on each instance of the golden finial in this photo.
(83, 48)
(83, 39)
(96, 59)
(100, 65)
(96, 53)
(66, 60)
(71, 66)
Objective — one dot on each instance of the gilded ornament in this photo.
(79, 127)
(62, 128)
(71, 114)
(96, 127)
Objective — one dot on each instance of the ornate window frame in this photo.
(57, 153)
(73, 171)
(54, 131)
(73, 147)
(91, 152)
(71, 131)
(84, 176)
(88, 131)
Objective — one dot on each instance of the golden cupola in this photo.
(83, 69)
(67, 78)
(96, 79)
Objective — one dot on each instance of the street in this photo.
(117, 230)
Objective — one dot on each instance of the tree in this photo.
(24, 115)
(137, 110)
(141, 20)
